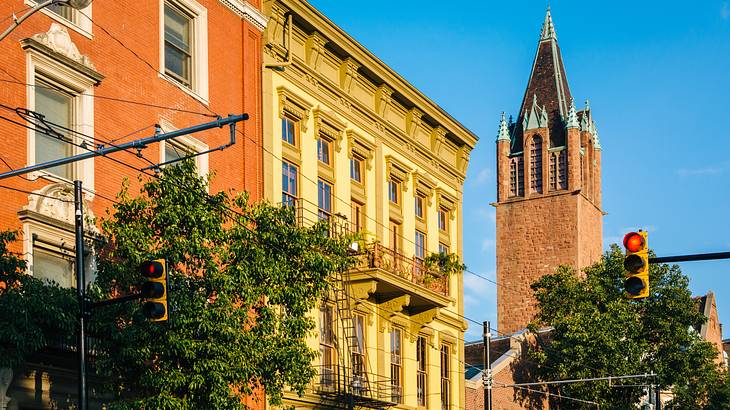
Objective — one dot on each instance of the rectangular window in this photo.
(443, 249)
(445, 377)
(324, 200)
(328, 365)
(563, 169)
(54, 265)
(394, 191)
(443, 220)
(289, 184)
(358, 353)
(419, 206)
(356, 169)
(324, 151)
(421, 375)
(395, 236)
(396, 366)
(58, 107)
(420, 245)
(358, 214)
(179, 44)
(289, 131)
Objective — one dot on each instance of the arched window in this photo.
(536, 165)
(516, 176)
(553, 182)
(563, 170)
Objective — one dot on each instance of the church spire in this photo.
(548, 28)
(549, 85)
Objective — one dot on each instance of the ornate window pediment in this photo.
(397, 170)
(328, 126)
(357, 146)
(292, 105)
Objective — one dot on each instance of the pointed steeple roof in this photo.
(503, 134)
(549, 85)
(548, 28)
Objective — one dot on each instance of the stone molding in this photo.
(294, 106)
(248, 12)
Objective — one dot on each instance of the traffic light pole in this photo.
(80, 292)
(690, 258)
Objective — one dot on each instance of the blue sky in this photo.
(657, 74)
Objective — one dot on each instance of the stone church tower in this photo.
(548, 186)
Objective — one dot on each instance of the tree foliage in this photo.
(35, 314)
(243, 278)
(599, 332)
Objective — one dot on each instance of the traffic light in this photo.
(154, 290)
(636, 265)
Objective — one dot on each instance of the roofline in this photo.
(382, 70)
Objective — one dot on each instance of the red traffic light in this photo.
(633, 242)
(152, 269)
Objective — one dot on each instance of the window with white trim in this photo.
(64, 94)
(181, 147)
(184, 45)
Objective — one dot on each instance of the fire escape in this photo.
(346, 382)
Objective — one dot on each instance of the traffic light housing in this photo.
(154, 290)
(636, 265)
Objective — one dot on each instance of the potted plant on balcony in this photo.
(441, 265)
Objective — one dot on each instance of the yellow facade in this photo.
(326, 101)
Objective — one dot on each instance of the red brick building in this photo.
(109, 73)
(548, 186)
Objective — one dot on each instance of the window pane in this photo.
(54, 267)
(177, 28)
(355, 169)
(420, 245)
(57, 108)
(323, 151)
(178, 34)
(288, 184)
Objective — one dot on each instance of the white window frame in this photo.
(81, 21)
(54, 239)
(190, 144)
(82, 87)
(199, 66)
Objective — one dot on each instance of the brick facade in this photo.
(548, 187)
(123, 52)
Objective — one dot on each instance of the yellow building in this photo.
(345, 137)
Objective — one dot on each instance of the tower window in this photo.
(536, 165)
(563, 169)
(553, 171)
(516, 177)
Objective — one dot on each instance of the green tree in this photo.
(599, 332)
(243, 276)
(35, 313)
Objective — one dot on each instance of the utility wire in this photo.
(115, 99)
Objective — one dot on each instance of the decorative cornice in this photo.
(248, 12)
(438, 136)
(357, 145)
(57, 44)
(55, 201)
(382, 99)
(419, 320)
(293, 105)
(413, 121)
(398, 170)
(348, 73)
(314, 49)
(327, 125)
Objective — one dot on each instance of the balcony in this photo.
(396, 274)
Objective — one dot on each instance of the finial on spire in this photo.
(503, 134)
(572, 116)
(548, 28)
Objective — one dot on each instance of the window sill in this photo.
(187, 90)
(84, 31)
(47, 176)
